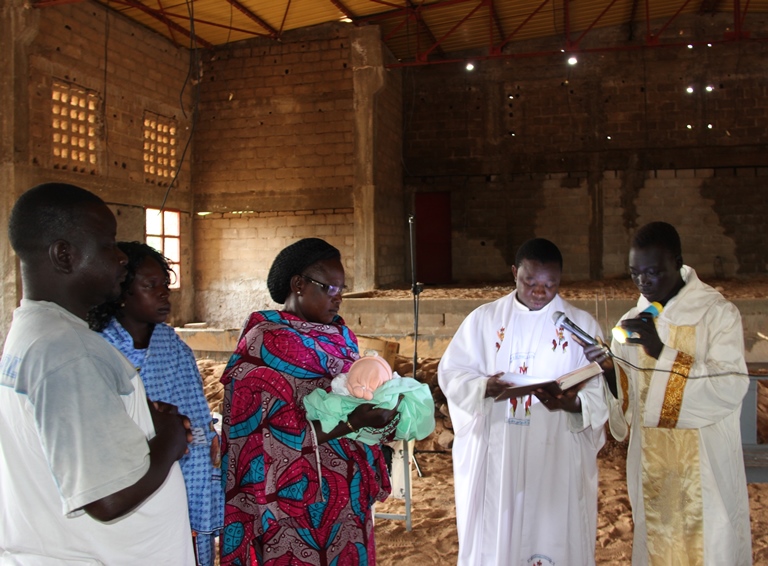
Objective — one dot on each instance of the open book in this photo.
(521, 384)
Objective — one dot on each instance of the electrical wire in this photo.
(107, 10)
(194, 66)
(673, 372)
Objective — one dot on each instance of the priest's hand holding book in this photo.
(559, 393)
(567, 400)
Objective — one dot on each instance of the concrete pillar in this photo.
(368, 78)
(18, 26)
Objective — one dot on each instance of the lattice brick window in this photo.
(159, 149)
(74, 117)
(164, 234)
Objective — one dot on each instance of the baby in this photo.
(364, 376)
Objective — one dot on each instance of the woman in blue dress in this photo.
(135, 325)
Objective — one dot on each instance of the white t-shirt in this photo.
(74, 425)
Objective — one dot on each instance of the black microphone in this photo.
(560, 319)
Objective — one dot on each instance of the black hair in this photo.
(658, 234)
(137, 252)
(541, 250)
(46, 213)
(294, 260)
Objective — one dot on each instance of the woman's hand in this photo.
(368, 415)
(365, 415)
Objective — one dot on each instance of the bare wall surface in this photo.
(234, 252)
(585, 154)
(297, 139)
(129, 70)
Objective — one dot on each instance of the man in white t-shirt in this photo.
(89, 472)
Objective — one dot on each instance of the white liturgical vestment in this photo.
(525, 476)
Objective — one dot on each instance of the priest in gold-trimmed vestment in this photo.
(681, 410)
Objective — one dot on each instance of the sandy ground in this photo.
(754, 287)
(433, 539)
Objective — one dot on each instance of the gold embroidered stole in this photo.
(671, 467)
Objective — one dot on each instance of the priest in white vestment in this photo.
(525, 468)
(681, 409)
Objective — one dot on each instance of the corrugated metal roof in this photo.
(431, 30)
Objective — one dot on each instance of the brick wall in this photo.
(130, 69)
(273, 164)
(284, 151)
(583, 155)
(276, 124)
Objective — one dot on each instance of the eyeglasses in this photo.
(331, 290)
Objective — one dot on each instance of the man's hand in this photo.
(601, 354)
(596, 353)
(645, 334)
(174, 429)
(172, 433)
(568, 400)
(495, 386)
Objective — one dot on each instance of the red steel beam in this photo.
(343, 9)
(253, 17)
(420, 20)
(285, 15)
(49, 3)
(549, 53)
(163, 18)
(161, 10)
(425, 54)
(597, 19)
(738, 19)
(525, 21)
(653, 39)
(496, 21)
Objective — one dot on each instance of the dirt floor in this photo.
(742, 288)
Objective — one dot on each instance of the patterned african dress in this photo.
(288, 500)
(169, 373)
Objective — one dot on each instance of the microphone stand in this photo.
(416, 289)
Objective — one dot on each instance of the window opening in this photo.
(74, 112)
(159, 149)
(163, 232)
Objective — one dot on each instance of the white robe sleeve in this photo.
(463, 373)
(594, 411)
(713, 388)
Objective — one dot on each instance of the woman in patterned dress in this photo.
(135, 325)
(294, 494)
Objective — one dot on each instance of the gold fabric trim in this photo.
(674, 510)
(673, 396)
(624, 383)
(671, 468)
